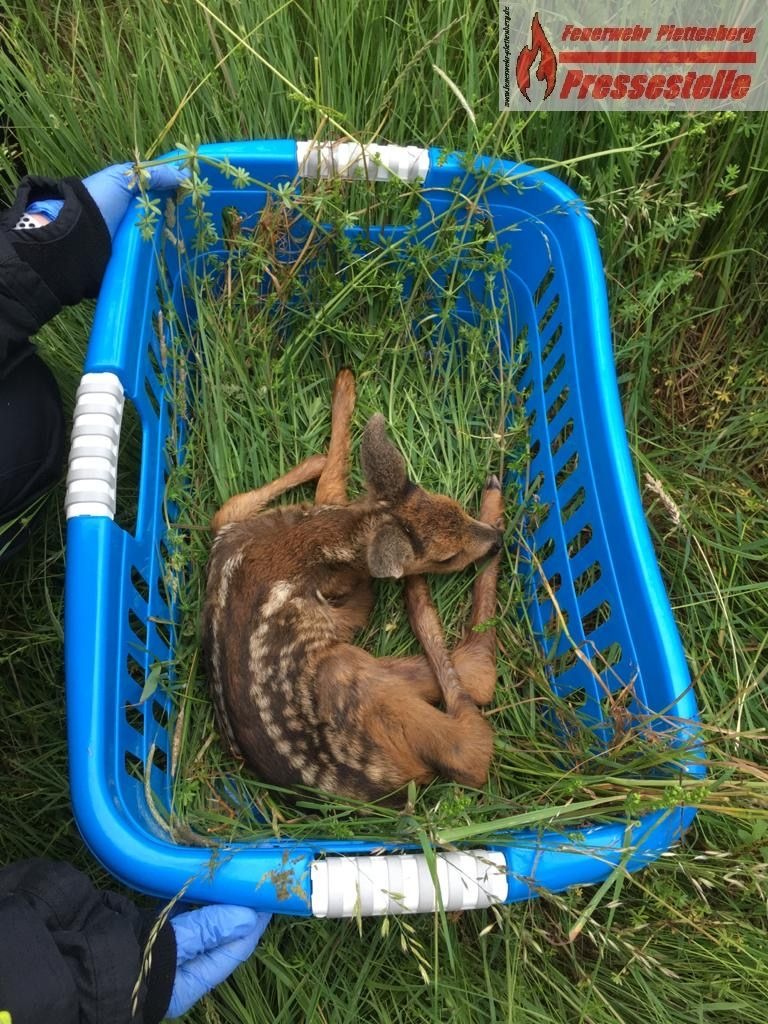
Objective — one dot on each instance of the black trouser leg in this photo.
(32, 438)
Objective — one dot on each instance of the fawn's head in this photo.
(422, 532)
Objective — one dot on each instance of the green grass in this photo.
(264, 373)
(680, 209)
(268, 340)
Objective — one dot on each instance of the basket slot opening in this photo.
(556, 334)
(540, 513)
(545, 282)
(150, 393)
(135, 671)
(164, 590)
(554, 624)
(596, 618)
(164, 593)
(567, 469)
(566, 413)
(580, 540)
(608, 656)
(607, 707)
(160, 760)
(523, 350)
(535, 449)
(546, 549)
(156, 317)
(546, 317)
(140, 585)
(576, 522)
(558, 404)
(573, 505)
(576, 698)
(524, 397)
(562, 662)
(134, 766)
(586, 579)
(160, 714)
(562, 437)
(134, 717)
(535, 485)
(138, 627)
(163, 631)
(154, 362)
(555, 582)
(554, 373)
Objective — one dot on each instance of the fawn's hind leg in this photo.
(409, 738)
(332, 485)
(240, 506)
(329, 470)
(431, 742)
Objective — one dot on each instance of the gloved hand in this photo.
(113, 188)
(210, 943)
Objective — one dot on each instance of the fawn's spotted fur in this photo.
(289, 587)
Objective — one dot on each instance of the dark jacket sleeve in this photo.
(49, 267)
(72, 954)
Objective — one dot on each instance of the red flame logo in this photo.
(547, 69)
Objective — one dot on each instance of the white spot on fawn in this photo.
(279, 596)
(339, 554)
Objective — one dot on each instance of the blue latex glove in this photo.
(210, 943)
(113, 188)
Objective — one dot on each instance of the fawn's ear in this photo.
(388, 552)
(383, 465)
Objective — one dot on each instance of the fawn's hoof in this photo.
(492, 505)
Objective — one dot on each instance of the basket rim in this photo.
(112, 835)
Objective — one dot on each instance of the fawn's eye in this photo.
(335, 600)
(443, 561)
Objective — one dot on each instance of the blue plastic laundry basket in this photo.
(590, 536)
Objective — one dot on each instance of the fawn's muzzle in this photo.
(497, 545)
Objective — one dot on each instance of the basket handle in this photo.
(92, 475)
(369, 886)
(351, 160)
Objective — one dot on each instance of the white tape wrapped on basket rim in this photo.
(92, 475)
(370, 886)
(351, 160)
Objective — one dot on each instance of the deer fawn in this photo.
(289, 587)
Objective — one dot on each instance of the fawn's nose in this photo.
(496, 545)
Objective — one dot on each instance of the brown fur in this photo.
(289, 587)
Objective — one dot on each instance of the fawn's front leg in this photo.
(428, 630)
(457, 743)
(475, 655)
(474, 658)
